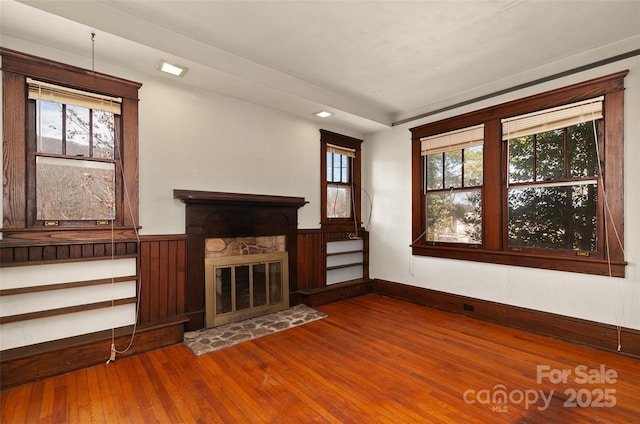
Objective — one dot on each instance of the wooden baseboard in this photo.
(333, 292)
(19, 366)
(575, 330)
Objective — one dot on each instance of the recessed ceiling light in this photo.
(323, 114)
(172, 69)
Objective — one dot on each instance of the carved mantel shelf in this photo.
(214, 197)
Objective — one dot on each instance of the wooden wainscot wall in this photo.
(160, 263)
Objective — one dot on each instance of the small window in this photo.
(340, 181)
(339, 190)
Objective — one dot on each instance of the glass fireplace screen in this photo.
(241, 287)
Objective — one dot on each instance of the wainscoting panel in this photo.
(14, 277)
(60, 314)
(41, 303)
(312, 253)
(162, 273)
(39, 330)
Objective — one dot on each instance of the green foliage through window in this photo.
(454, 195)
(553, 190)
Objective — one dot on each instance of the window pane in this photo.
(583, 158)
(77, 121)
(473, 164)
(434, 171)
(558, 217)
(550, 155)
(345, 166)
(338, 201)
(454, 217)
(70, 189)
(103, 134)
(521, 159)
(453, 169)
(337, 172)
(329, 167)
(49, 127)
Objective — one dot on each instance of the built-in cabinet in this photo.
(332, 265)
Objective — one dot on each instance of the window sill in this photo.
(338, 224)
(579, 265)
(64, 235)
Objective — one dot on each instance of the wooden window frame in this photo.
(329, 137)
(494, 247)
(33, 154)
(19, 182)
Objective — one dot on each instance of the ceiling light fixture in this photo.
(323, 114)
(172, 69)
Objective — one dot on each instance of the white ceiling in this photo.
(372, 63)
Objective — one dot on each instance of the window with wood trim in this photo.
(71, 147)
(540, 184)
(552, 178)
(452, 175)
(340, 180)
(74, 152)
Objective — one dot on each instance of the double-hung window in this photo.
(340, 164)
(536, 182)
(339, 179)
(71, 150)
(74, 153)
(452, 170)
(552, 178)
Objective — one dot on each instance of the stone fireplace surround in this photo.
(211, 215)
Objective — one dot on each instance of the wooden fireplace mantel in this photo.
(218, 215)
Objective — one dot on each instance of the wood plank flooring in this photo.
(373, 360)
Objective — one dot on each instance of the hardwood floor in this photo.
(373, 360)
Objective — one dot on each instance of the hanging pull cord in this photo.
(607, 213)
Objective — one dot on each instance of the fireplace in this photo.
(242, 227)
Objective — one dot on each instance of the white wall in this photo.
(203, 141)
(387, 161)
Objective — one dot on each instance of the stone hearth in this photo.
(212, 339)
